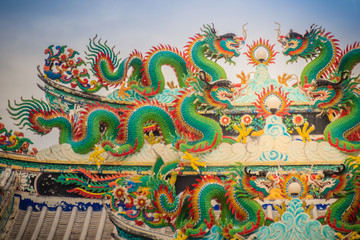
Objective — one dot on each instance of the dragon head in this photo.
(332, 182)
(326, 94)
(222, 46)
(297, 45)
(258, 184)
(219, 94)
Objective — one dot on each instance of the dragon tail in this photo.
(106, 65)
(28, 111)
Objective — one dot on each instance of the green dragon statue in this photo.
(322, 50)
(119, 131)
(13, 141)
(152, 200)
(341, 99)
(222, 206)
(344, 184)
(240, 214)
(338, 95)
(146, 78)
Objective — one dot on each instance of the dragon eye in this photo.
(293, 43)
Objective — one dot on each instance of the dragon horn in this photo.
(212, 28)
(344, 77)
(202, 77)
(329, 173)
(341, 170)
(261, 173)
(248, 172)
(279, 37)
(244, 31)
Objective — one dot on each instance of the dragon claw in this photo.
(181, 236)
(243, 132)
(282, 79)
(305, 132)
(243, 77)
(122, 91)
(152, 139)
(95, 156)
(194, 161)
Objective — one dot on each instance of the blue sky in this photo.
(27, 28)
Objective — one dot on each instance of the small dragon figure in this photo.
(343, 184)
(13, 141)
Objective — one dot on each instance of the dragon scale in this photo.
(124, 127)
(343, 133)
(202, 215)
(104, 61)
(82, 137)
(248, 213)
(131, 133)
(343, 215)
(206, 130)
(163, 153)
(336, 213)
(240, 214)
(318, 46)
(350, 58)
(153, 81)
(147, 78)
(320, 65)
(196, 57)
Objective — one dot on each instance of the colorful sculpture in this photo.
(120, 131)
(204, 157)
(342, 215)
(340, 99)
(323, 47)
(146, 78)
(10, 141)
(190, 211)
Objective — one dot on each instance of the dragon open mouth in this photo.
(267, 185)
(325, 184)
(229, 96)
(236, 47)
(316, 95)
(235, 44)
